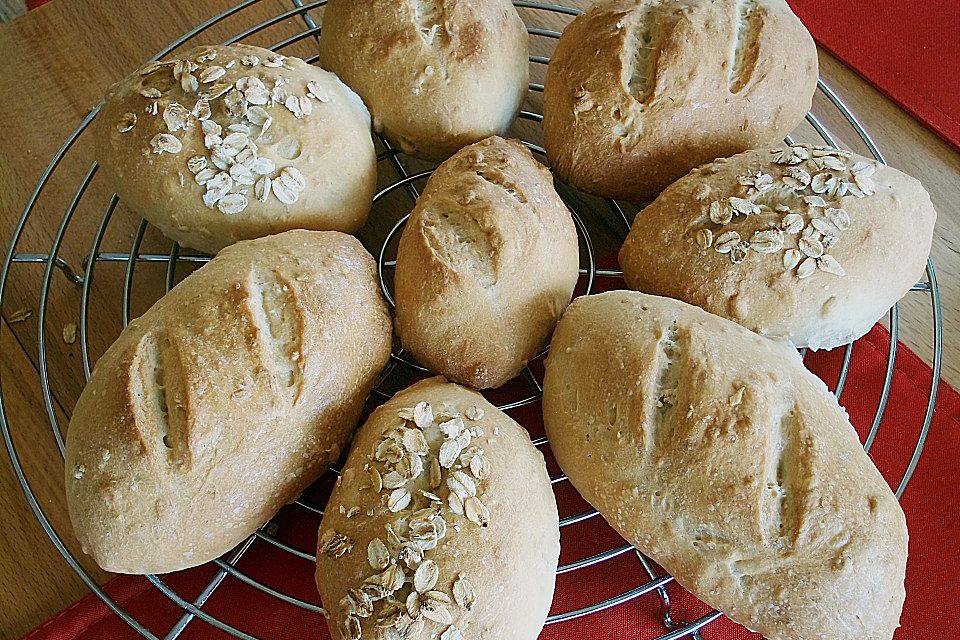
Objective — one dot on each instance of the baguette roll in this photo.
(486, 264)
(226, 399)
(638, 92)
(715, 452)
(443, 524)
(808, 244)
(436, 75)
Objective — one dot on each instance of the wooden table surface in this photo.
(58, 61)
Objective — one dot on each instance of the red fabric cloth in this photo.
(908, 50)
(929, 502)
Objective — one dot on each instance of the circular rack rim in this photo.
(193, 609)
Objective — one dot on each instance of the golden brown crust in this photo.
(436, 75)
(510, 563)
(863, 268)
(638, 92)
(713, 450)
(317, 151)
(224, 401)
(486, 264)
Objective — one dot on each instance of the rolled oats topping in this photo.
(806, 268)
(476, 512)
(767, 241)
(726, 241)
(797, 178)
(176, 117)
(242, 175)
(463, 593)
(758, 183)
(811, 247)
(335, 544)
(205, 175)
(211, 74)
(427, 474)
(196, 164)
(127, 122)
(824, 226)
(721, 212)
(806, 184)
(792, 223)
(791, 258)
(232, 203)
(704, 238)
(738, 253)
(791, 155)
(235, 106)
(201, 109)
(216, 90)
(839, 218)
(829, 264)
(165, 143)
(452, 633)
(378, 555)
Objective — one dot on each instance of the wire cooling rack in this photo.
(407, 179)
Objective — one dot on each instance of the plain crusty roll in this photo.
(442, 525)
(805, 243)
(714, 451)
(436, 75)
(638, 92)
(226, 143)
(486, 264)
(224, 400)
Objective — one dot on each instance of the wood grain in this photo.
(34, 580)
(58, 62)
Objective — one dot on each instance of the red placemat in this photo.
(908, 50)
(930, 504)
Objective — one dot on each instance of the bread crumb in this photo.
(19, 315)
(70, 333)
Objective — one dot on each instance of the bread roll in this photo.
(714, 451)
(804, 243)
(638, 92)
(436, 75)
(227, 143)
(225, 400)
(442, 525)
(486, 264)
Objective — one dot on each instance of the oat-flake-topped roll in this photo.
(227, 143)
(437, 75)
(443, 524)
(805, 243)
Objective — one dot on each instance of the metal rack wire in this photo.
(649, 582)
